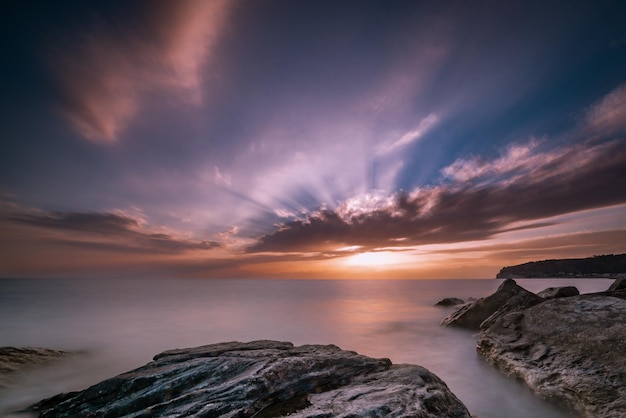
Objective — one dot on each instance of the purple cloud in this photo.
(479, 203)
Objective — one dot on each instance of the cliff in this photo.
(597, 266)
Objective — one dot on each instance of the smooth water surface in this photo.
(118, 325)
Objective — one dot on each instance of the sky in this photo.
(309, 139)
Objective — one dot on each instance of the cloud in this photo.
(102, 79)
(108, 231)
(535, 185)
(413, 135)
(608, 115)
(221, 178)
(515, 158)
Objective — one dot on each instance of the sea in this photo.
(117, 325)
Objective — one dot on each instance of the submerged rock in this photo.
(566, 349)
(559, 292)
(509, 296)
(14, 360)
(450, 302)
(262, 379)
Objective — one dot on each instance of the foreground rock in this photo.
(567, 349)
(558, 292)
(14, 360)
(509, 296)
(262, 379)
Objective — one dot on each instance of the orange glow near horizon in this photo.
(377, 259)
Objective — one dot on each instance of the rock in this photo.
(618, 284)
(262, 379)
(509, 296)
(620, 293)
(568, 349)
(14, 360)
(558, 292)
(450, 302)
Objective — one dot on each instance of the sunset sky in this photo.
(309, 139)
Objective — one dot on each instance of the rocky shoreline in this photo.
(566, 347)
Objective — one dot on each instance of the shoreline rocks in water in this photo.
(569, 349)
(450, 302)
(509, 296)
(262, 379)
(14, 360)
(559, 292)
(566, 349)
(618, 284)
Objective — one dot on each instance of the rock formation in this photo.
(14, 359)
(566, 349)
(558, 292)
(450, 302)
(618, 284)
(509, 296)
(262, 379)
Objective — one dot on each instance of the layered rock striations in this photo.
(262, 379)
(568, 349)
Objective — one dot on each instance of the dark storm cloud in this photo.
(569, 179)
(109, 232)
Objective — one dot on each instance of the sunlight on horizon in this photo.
(378, 259)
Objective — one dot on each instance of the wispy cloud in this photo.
(221, 178)
(103, 78)
(608, 115)
(108, 231)
(413, 135)
(516, 158)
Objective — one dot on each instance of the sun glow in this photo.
(375, 259)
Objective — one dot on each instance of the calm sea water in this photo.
(118, 325)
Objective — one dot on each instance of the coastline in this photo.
(394, 319)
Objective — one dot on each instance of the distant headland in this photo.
(601, 266)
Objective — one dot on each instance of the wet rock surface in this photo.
(262, 379)
(13, 360)
(559, 292)
(567, 349)
(508, 297)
